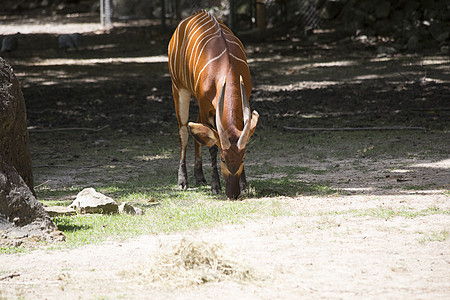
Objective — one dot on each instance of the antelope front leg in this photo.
(198, 166)
(182, 173)
(215, 181)
(182, 98)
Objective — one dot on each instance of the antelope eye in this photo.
(222, 159)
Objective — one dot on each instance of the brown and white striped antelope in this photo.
(208, 61)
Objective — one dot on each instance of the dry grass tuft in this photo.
(194, 262)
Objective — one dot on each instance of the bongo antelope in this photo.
(207, 61)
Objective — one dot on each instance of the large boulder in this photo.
(22, 218)
(14, 141)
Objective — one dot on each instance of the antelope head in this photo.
(230, 141)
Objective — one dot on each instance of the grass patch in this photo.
(12, 250)
(405, 212)
(388, 213)
(437, 236)
(169, 216)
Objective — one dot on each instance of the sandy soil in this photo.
(305, 255)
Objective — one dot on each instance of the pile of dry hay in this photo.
(194, 262)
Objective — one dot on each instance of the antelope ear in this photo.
(255, 117)
(204, 134)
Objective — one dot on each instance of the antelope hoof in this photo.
(201, 181)
(216, 189)
(200, 178)
(182, 183)
(182, 186)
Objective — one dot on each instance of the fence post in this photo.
(105, 13)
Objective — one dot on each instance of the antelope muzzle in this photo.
(232, 186)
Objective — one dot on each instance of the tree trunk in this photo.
(14, 141)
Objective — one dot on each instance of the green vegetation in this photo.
(186, 213)
(437, 236)
(12, 250)
(388, 212)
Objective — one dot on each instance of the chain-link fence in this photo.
(240, 14)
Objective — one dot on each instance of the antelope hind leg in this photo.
(198, 166)
(215, 180)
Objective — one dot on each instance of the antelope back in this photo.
(202, 52)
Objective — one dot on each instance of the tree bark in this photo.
(14, 140)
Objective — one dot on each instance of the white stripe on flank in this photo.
(194, 51)
(204, 67)
(199, 55)
(194, 41)
(237, 58)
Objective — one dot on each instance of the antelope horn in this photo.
(224, 141)
(246, 116)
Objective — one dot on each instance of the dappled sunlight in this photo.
(320, 72)
(441, 164)
(72, 23)
(437, 60)
(94, 61)
(359, 190)
(301, 85)
(153, 157)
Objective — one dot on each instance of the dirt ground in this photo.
(330, 256)
(325, 248)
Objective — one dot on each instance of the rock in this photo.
(76, 38)
(67, 41)
(23, 219)
(126, 208)
(443, 36)
(14, 140)
(54, 211)
(10, 43)
(89, 201)
(445, 49)
(413, 43)
(386, 51)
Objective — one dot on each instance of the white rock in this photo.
(90, 201)
(54, 211)
(126, 208)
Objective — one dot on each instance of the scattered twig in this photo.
(69, 129)
(354, 128)
(10, 276)
(66, 166)
(31, 282)
(47, 181)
